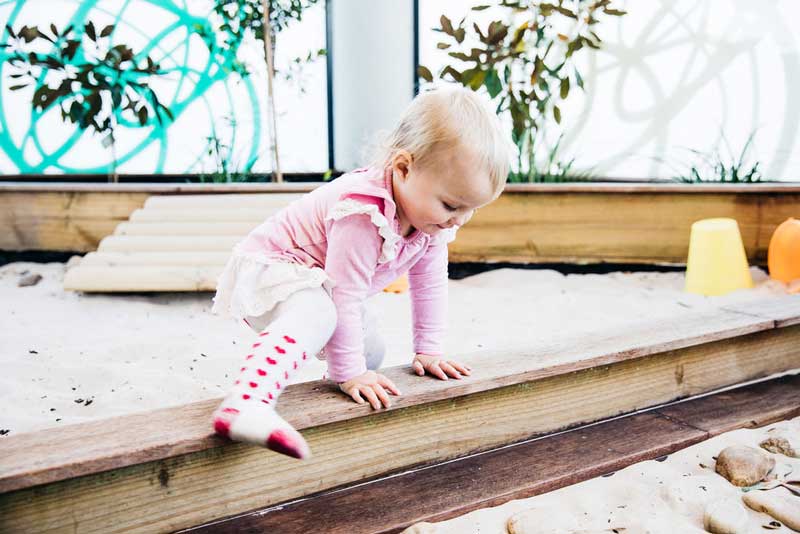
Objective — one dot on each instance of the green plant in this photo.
(225, 166)
(526, 62)
(96, 85)
(552, 169)
(240, 17)
(718, 166)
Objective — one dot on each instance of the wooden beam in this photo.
(63, 221)
(530, 223)
(194, 228)
(155, 258)
(613, 227)
(138, 278)
(519, 471)
(172, 473)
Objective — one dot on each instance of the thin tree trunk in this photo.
(114, 178)
(277, 174)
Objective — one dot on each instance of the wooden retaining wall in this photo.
(529, 223)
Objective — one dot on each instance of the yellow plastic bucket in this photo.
(717, 262)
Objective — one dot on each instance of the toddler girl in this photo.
(300, 279)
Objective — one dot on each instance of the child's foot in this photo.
(260, 425)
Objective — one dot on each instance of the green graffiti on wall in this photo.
(171, 46)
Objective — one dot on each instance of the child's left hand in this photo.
(439, 367)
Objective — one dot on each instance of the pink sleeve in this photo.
(428, 285)
(354, 247)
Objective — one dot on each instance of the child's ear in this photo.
(400, 164)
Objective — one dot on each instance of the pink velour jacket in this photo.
(349, 228)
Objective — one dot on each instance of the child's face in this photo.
(442, 193)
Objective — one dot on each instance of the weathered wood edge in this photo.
(299, 187)
(443, 491)
(185, 490)
(38, 457)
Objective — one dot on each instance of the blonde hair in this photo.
(445, 118)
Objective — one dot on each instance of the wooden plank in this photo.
(169, 229)
(161, 215)
(176, 491)
(538, 223)
(551, 358)
(135, 278)
(753, 406)
(64, 221)
(134, 243)
(254, 201)
(159, 188)
(552, 227)
(784, 310)
(155, 258)
(522, 470)
(626, 186)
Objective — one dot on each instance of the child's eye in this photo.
(448, 207)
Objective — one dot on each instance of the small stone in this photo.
(744, 466)
(30, 279)
(781, 444)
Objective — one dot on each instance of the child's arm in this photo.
(354, 247)
(428, 286)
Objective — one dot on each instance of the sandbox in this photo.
(551, 352)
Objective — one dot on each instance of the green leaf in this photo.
(564, 88)
(614, 12)
(493, 83)
(557, 114)
(480, 8)
(18, 87)
(142, 114)
(425, 73)
(473, 78)
(89, 29)
(443, 46)
(107, 30)
(578, 79)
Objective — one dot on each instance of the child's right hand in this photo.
(371, 385)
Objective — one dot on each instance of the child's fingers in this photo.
(418, 367)
(463, 369)
(388, 384)
(382, 395)
(369, 393)
(450, 370)
(436, 370)
(357, 396)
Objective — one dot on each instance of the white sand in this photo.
(129, 353)
(649, 497)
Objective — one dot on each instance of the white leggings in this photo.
(314, 310)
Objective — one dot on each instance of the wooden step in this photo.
(166, 215)
(137, 243)
(137, 278)
(447, 490)
(251, 201)
(180, 229)
(172, 473)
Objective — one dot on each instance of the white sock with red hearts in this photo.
(248, 412)
(303, 324)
